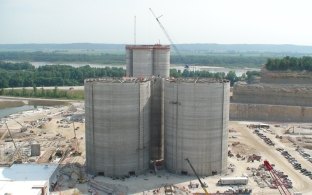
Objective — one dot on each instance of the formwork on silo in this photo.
(117, 126)
(147, 60)
(157, 118)
(196, 118)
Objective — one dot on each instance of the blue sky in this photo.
(187, 21)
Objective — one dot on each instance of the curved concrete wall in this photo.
(117, 127)
(142, 62)
(196, 120)
(161, 65)
(148, 60)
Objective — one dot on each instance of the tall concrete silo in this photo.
(147, 60)
(196, 119)
(117, 126)
(161, 60)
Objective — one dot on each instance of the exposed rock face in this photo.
(277, 94)
(285, 77)
(266, 112)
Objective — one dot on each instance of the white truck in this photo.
(233, 181)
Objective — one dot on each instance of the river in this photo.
(212, 69)
(7, 111)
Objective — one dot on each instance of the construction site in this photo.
(151, 134)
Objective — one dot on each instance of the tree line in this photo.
(290, 63)
(25, 75)
(225, 60)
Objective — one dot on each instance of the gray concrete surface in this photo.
(196, 119)
(117, 126)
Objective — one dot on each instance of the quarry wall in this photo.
(277, 94)
(266, 112)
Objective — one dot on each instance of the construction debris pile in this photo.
(32, 136)
(263, 178)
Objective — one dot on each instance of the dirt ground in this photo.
(242, 140)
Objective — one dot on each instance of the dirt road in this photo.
(301, 183)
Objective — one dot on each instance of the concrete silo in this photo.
(196, 119)
(117, 126)
(147, 60)
(161, 60)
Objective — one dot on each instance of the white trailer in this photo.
(233, 181)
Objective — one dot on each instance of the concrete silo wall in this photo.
(129, 62)
(148, 60)
(142, 62)
(157, 117)
(161, 61)
(196, 119)
(117, 127)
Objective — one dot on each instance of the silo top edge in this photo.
(196, 80)
(156, 46)
(118, 80)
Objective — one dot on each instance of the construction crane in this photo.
(201, 183)
(168, 37)
(277, 180)
(16, 149)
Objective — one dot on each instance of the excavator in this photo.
(204, 186)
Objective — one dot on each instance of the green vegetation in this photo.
(44, 93)
(251, 75)
(290, 63)
(231, 75)
(26, 75)
(15, 77)
(212, 59)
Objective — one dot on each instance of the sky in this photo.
(186, 21)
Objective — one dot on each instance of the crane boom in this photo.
(167, 35)
(277, 180)
(201, 183)
(16, 149)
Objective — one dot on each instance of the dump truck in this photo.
(233, 181)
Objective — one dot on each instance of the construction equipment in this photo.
(76, 147)
(19, 159)
(168, 37)
(201, 183)
(288, 130)
(276, 179)
(23, 127)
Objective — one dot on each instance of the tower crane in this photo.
(201, 183)
(277, 180)
(168, 37)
